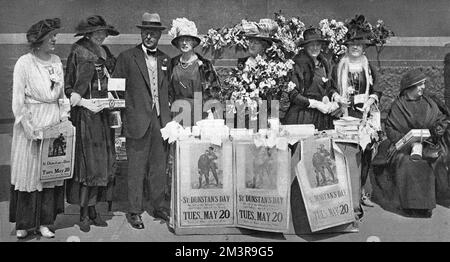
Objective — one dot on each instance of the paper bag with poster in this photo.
(324, 184)
(204, 185)
(57, 152)
(263, 183)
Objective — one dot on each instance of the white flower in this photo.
(245, 77)
(271, 81)
(252, 86)
(254, 93)
(289, 64)
(291, 86)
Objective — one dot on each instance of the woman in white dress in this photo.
(38, 83)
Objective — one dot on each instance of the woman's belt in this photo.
(29, 100)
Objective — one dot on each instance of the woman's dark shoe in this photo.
(98, 221)
(95, 218)
(136, 221)
(85, 224)
(161, 213)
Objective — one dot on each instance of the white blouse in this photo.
(37, 86)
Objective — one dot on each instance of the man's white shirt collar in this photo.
(145, 50)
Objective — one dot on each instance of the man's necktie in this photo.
(151, 53)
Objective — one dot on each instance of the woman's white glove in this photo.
(340, 99)
(90, 105)
(334, 106)
(75, 99)
(29, 130)
(324, 108)
(367, 105)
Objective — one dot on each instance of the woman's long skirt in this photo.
(29, 210)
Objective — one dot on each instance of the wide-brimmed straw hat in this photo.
(264, 30)
(183, 27)
(38, 31)
(312, 35)
(151, 20)
(412, 78)
(92, 24)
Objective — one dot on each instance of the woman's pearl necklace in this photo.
(186, 64)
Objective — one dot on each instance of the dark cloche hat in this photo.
(412, 78)
(312, 35)
(41, 29)
(92, 24)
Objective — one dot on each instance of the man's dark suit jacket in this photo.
(138, 97)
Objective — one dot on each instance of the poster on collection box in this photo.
(262, 187)
(204, 184)
(325, 184)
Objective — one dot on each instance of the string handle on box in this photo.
(108, 76)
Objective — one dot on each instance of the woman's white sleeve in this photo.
(18, 92)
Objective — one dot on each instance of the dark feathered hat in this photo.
(41, 29)
(92, 24)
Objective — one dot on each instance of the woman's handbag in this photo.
(384, 153)
(431, 151)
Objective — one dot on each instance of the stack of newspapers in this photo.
(414, 135)
(347, 126)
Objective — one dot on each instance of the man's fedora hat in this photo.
(312, 35)
(151, 21)
(94, 23)
(412, 78)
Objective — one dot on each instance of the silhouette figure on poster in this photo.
(58, 146)
(322, 161)
(207, 163)
(264, 176)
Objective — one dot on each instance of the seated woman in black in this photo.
(416, 178)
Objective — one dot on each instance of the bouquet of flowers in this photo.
(266, 79)
(216, 40)
(335, 32)
(289, 31)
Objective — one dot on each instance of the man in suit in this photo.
(147, 110)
